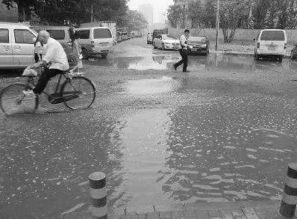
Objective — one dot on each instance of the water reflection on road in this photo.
(165, 61)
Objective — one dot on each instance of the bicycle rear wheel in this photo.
(12, 100)
(81, 92)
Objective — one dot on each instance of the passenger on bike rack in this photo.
(55, 57)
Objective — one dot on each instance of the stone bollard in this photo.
(289, 201)
(98, 195)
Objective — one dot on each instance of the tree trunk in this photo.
(228, 35)
(225, 33)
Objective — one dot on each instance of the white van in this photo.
(16, 45)
(271, 42)
(95, 40)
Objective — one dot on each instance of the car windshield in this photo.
(273, 35)
(102, 33)
(166, 37)
(57, 34)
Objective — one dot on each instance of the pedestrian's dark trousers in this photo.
(184, 60)
(46, 75)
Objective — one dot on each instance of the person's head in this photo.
(187, 32)
(43, 36)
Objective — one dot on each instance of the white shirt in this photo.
(183, 41)
(56, 55)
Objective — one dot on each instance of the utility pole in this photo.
(92, 12)
(217, 24)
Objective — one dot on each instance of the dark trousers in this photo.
(184, 60)
(36, 57)
(46, 75)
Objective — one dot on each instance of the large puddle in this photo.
(144, 87)
(196, 63)
(234, 148)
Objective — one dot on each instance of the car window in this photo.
(57, 34)
(4, 36)
(84, 34)
(165, 37)
(24, 36)
(273, 35)
(102, 33)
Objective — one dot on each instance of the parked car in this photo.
(125, 36)
(165, 42)
(95, 40)
(271, 43)
(149, 38)
(199, 45)
(16, 45)
(159, 32)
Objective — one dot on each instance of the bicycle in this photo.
(72, 89)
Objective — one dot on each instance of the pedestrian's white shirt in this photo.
(183, 41)
(56, 55)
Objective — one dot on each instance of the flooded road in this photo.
(163, 138)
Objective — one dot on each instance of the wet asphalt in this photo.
(223, 132)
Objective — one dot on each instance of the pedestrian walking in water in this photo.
(184, 51)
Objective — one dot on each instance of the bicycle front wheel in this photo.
(79, 93)
(13, 100)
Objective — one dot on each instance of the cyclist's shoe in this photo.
(29, 93)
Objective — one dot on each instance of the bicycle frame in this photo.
(31, 82)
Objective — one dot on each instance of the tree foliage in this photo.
(257, 14)
(134, 20)
(175, 15)
(76, 11)
(233, 13)
(195, 13)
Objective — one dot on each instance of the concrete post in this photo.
(289, 201)
(98, 195)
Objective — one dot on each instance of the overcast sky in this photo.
(160, 7)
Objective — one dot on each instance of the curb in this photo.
(237, 53)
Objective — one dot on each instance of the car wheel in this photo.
(85, 53)
(154, 46)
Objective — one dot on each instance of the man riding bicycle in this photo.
(55, 62)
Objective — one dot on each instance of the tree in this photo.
(175, 15)
(232, 13)
(195, 13)
(76, 11)
(134, 21)
(24, 7)
(208, 15)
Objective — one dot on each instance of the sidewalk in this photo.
(236, 210)
(237, 49)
